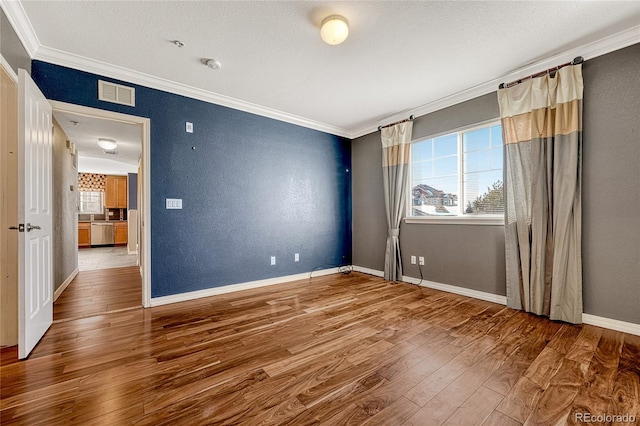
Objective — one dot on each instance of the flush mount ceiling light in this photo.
(334, 29)
(107, 144)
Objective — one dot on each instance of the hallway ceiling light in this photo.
(334, 29)
(107, 144)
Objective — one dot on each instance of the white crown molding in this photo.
(183, 297)
(587, 51)
(81, 63)
(20, 22)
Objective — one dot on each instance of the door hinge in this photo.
(19, 228)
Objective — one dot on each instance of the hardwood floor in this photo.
(95, 292)
(334, 350)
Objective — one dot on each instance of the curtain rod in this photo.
(411, 117)
(577, 60)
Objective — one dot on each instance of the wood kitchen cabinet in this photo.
(84, 234)
(121, 232)
(115, 192)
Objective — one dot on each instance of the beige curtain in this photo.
(396, 145)
(542, 133)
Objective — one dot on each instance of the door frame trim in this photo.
(8, 295)
(145, 124)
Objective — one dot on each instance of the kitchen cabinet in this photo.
(84, 234)
(121, 232)
(121, 193)
(115, 192)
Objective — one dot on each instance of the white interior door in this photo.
(35, 274)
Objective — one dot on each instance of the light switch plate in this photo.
(189, 127)
(174, 203)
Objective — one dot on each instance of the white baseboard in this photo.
(625, 327)
(476, 294)
(612, 324)
(368, 271)
(132, 252)
(65, 284)
(182, 297)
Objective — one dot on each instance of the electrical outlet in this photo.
(273, 260)
(421, 260)
(296, 257)
(174, 203)
(413, 260)
(189, 127)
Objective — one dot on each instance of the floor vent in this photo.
(116, 93)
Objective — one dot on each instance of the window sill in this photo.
(457, 220)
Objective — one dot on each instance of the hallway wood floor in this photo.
(335, 350)
(100, 291)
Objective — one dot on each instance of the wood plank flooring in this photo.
(335, 350)
(95, 292)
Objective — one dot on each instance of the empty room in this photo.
(309, 212)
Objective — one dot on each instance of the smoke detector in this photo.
(212, 63)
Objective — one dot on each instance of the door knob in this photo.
(30, 227)
(19, 228)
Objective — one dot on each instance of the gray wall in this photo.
(132, 191)
(65, 216)
(11, 47)
(472, 256)
(611, 175)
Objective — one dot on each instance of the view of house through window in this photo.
(91, 202)
(458, 174)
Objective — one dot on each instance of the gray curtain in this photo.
(542, 133)
(396, 146)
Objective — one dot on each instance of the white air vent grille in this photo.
(116, 93)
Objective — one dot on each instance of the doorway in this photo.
(113, 273)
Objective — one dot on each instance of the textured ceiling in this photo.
(91, 158)
(399, 55)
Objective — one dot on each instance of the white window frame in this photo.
(460, 219)
(81, 204)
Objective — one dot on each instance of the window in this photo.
(91, 202)
(458, 174)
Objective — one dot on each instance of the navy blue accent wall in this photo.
(132, 189)
(251, 188)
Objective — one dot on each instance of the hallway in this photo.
(90, 259)
(95, 292)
